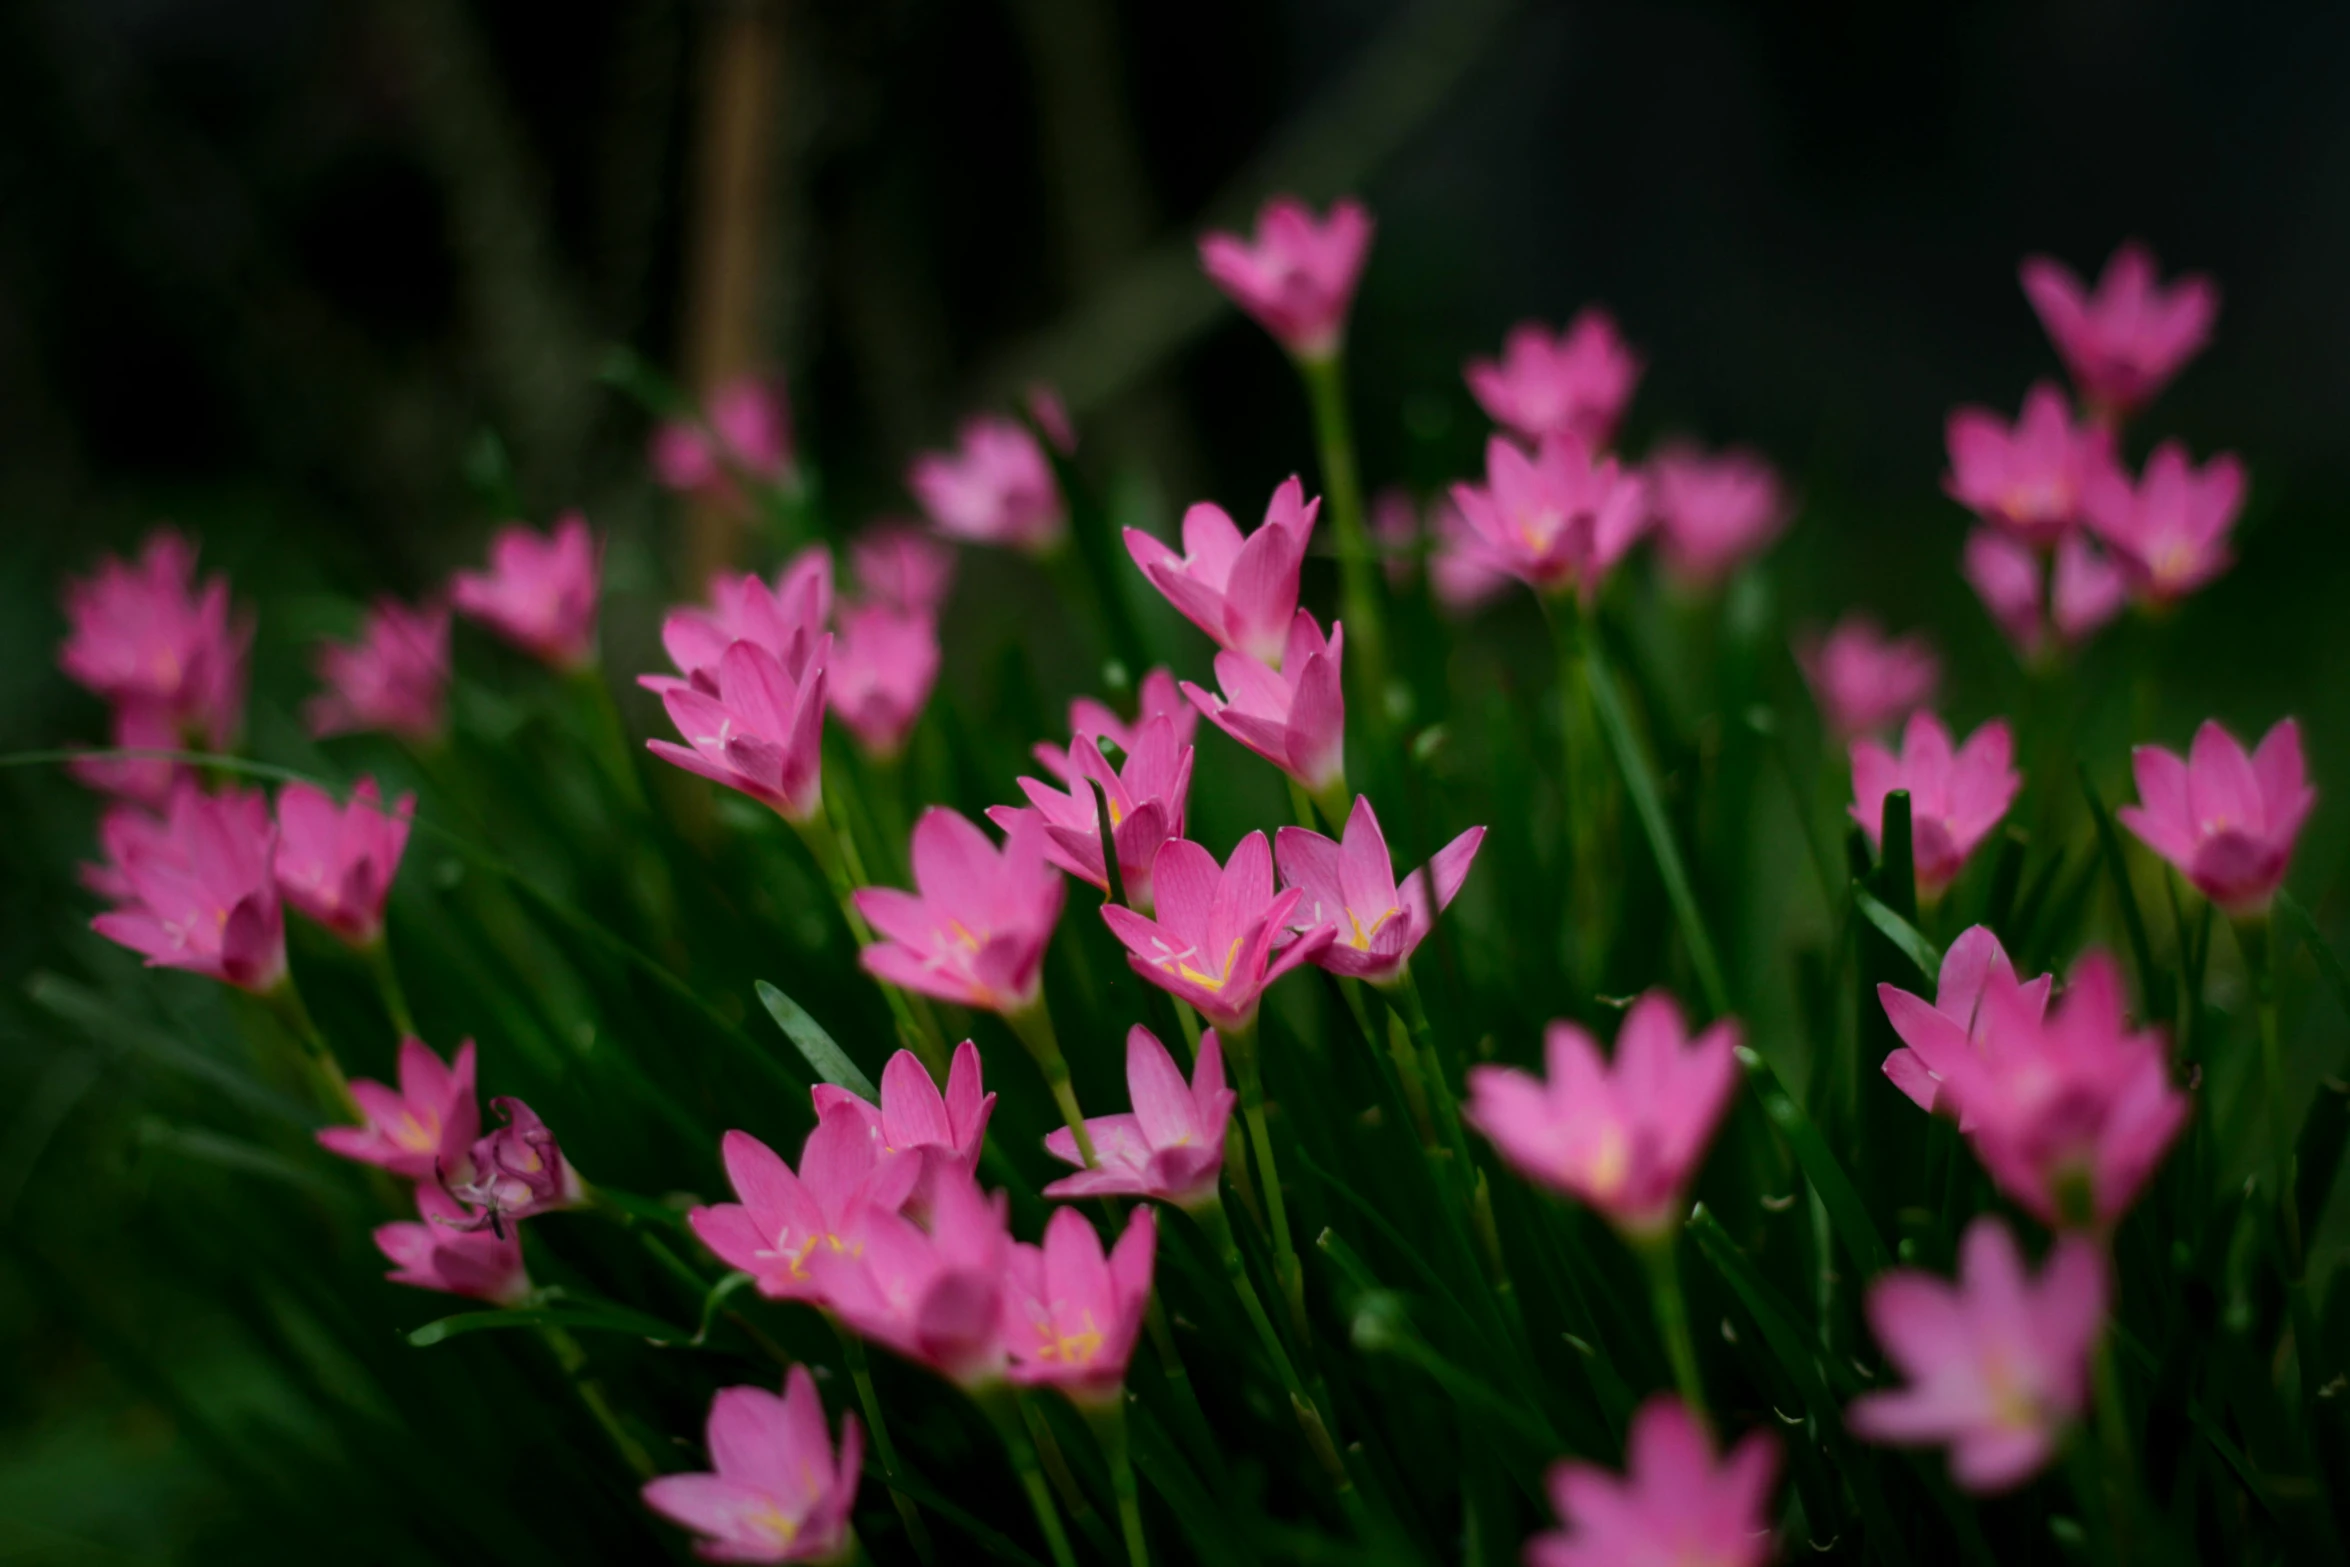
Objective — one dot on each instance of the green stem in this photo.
(832, 851)
(1002, 1411)
(1240, 1045)
(387, 984)
(573, 1360)
(1034, 1025)
(318, 1058)
(1178, 1379)
(1108, 1419)
(1342, 487)
(2113, 1431)
(2254, 937)
(610, 736)
(852, 1350)
(1672, 1317)
(1063, 1478)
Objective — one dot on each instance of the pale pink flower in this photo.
(1159, 697)
(941, 1134)
(1171, 1147)
(1677, 1504)
(1350, 889)
(936, 1296)
(746, 434)
(1957, 1021)
(1243, 593)
(1395, 534)
(144, 780)
(335, 864)
(1461, 573)
(1297, 275)
(788, 620)
(1714, 511)
(1558, 520)
(2126, 340)
(2027, 480)
(200, 895)
(516, 1172)
(439, 1254)
(1997, 1363)
(2169, 530)
(1627, 1139)
(1051, 416)
(898, 564)
(975, 928)
(1573, 383)
(1146, 798)
(1955, 797)
(758, 731)
(996, 488)
(884, 664)
(784, 1218)
(430, 1120)
(2226, 820)
(776, 1492)
(1294, 717)
(1215, 940)
(2086, 588)
(539, 593)
(1865, 680)
(394, 678)
(145, 634)
(1071, 1315)
(124, 830)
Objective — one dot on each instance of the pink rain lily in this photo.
(1159, 697)
(2084, 589)
(1146, 799)
(747, 435)
(1050, 415)
(124, 830)
(898, 564)
(2123, 342)
(1955, 797)
(145, 634)
(441, 1254)
(883, 667)
(788, 620)
(1714, 511)
(1171, 1147)
(201, 895)
(1627, 1139)
(942, 1135)
(997, 488)
(2226, 820)
(1573, 383)
(1676, 1505)
(1957, 1020)
(1864, 680)
(1241, 592)
(1461, 574)
(429, 1121)
(1997, 1363)
(1559, 520)
(1396, 535)
(935, 1297)
(335, 864)
(2027, 480)
(785, 1218)
(1297, 275)
(759, 732)
(539, 593)
(1294, 717)
(394, 678)
(776, 1492)
(974, 930)
(1350, 890)
(516, 1172)
(2169, 530)
(1215, 940)
(1071, 1315)
(144, 780)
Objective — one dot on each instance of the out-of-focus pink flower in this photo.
(760, 731)
(1956, 1022)
(124, 830)
(1627, 1139)
(1955, 798)
(2126, 340)
(996, 488)
(516, 1172)
(1350, 888)
(2226, 820)
(1052, 418)
(438, 1254)
(1676, 1505)
(776, 1493)
(1297, 275)
(200, 895)
(787, 620)
(784, 1218)
(1865, 680)
(2027, 480)
(1294, 717)
(748, 434)
(1241, 592)
(1213, 942)
(539, 593)
(1071, 1315)
(1461, 574)
(2087, 588)
(336, 864)
(1160, 698)
(884, 663)
(1997, 1363)
(1146, 800)
(1714, 511)
(1171, 1147)
(1557, 521)
(940, 1134)
(2169, 530)
(432, 1118)
(146, 780)
(900, 565)
(394, 678)
(1395, 534)
(935, 1297)
(1573, 383)
(974, 929)
(145, 634)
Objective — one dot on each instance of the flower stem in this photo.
(1178, 1379)
(610, 736)
(1342, 486)
(833, 853)
(1108, 1419)
(318, 1058)
(1241, 1045)
(387, 984)
(573, 1360)
(1672, 1318)
(1002, 1411)
(2254, 938)
(852, 1350)
(2113, 1432)
(1034, 1025)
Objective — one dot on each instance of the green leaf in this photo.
(828, 1059)
(1900, 932)
(93, 1015)
(1847, 1215)
(593, 1319)
(717, 1298)
(2329, 966)
(1101, 817)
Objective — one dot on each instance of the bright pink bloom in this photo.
(2126, 340)
(1350, 889)
(1957, 1021)
(759, 732)
(776, 1493)
(516, 1172)
(430, 1120)
(1955, 798)
(1297, 275)
(1171, 1147)
(2169, 530)
(1160, 698)
(747, 434)
(1677, 1505)
(146, 780)
(1864, 680)
(394, 678)
(943, 1134)
(1556, 521)
(2226, 820)
(784, 1218)
(974, 930)
(1294, 717)
(438, 1254)
(1997, 1363)
(2027, 480)
(935, 1297)
(336, 864)
(884, 664)
(1215, 940)
(787, 620)
(145, 634)
(2088, 589)
(1071, 1315)
(1573, 383)
(1460, 572)
(1714, 511)
(1242, 593)
(898, 564)
(1146, 800)
(200, 894)
(1626, 1140)
(539, 593)
(997, 488)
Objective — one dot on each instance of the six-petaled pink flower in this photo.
(429, 1121)
(1559, 520)
(1573, 383)
(1865, 680)
(439, 1253)
(2082, 589)
(785, 1217)
(144, 634)
(1242, 592)
(788, 620)
(776, 1491)
(997, 487)
(201, 895)
(1146, 800)
(1214, 942)
(1676, 1505)
(1714, 511)
(145, 780)
(335, 864)
(2123, 342)
(1461, 573)
(539, 592)
(2226, 820)
(1997, 1363)
(974, 929)
(759, 732)
(1956, 1021)
(1297, 275)
(939, 1134)
(394, 678)
(2170, 529)
(898, 564)
(1157, 697)
(935, 1296)
(516, 1172)
(124, 830)
(1955, 796)
(1171, 1146)
(1071, 1315)
(884, 663)
(747, 434)
(1350, 888)
(1293, 717)
(2027, 479)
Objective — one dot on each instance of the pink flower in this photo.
(783, 1219)
(759, 732)
(2131, 336)
(1160, 698)
(1460, 572)
(1350, 890)
(1556, 521)
(748, 434)
(2087, 587)
(1298, 275)
(1146, 800)
(336, 864)
(1676, 1505)
(146, 780)
(517, 1172)
(539, 593)
(935, 1297)
(776, 1495)
(1864, 680)
(1958, 1021)
(998, 488)
(1574, 383)
(1171, 1147)
(944, 1135)
(1242, 593)
(1395, 534)
(144, 634)
(201, 896)
(430, 1119)
(2226, 820)
(1214, 940)
(787, 620)
(1713, 511)
(2027, 480)
(1955, 799)
(883, 667)
(1625, 1140)
(898, 564)
(124, 830)
(1071, 1315)
(394, 678)
(1051, 417)
(439, 1254)
(974, 930)
(2170, 530)
(1997, 1364)
(1295, 717)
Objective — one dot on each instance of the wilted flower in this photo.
(1350, 889)
(1714, 511)
(1957, 1020)
(1955, 798)
(1160, 698)
(1557, 521)
(787, 620)
(760, 731)
(539, 593)
(200, 895)
(2226, 820)
(974, 930)
(2085, 587)
(2169, 530)
(935, 1296)
(883, 666)
(516, 1172)
(1171, 1147)
(898, 564)
(1677, 1505)
(1573, 383)
(1071, 1315)
(1146, 799)
(941, 1134)
(430, 1120)
(1297, 275)
(748, 434)
(2029, 480)
(336, 864)
(440, 1253)
(1214, 940)
(997, 488)
(784, 1218)
(1241, 592)
(776, 1494)
(1864, 680)
(2126, 340)
(1294, 717)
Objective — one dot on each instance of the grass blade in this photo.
(827, 1059)
(1914, 946)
